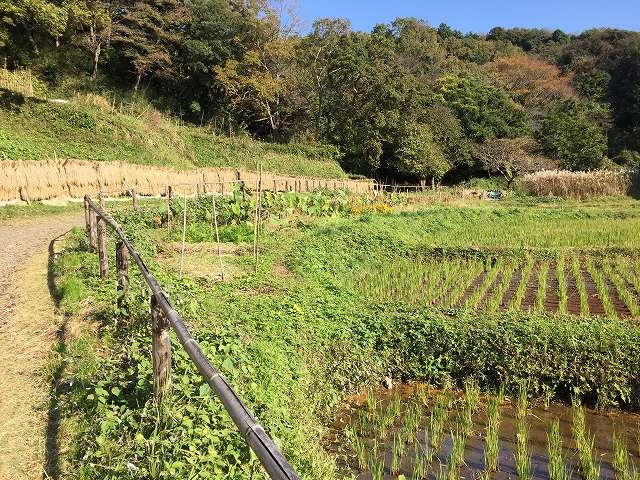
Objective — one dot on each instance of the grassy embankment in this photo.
(298, 335)
(89, 127)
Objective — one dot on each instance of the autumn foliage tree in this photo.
(533, 82)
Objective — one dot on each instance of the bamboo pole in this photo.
(169, 211)
(258, 214)
(122, 274)
(215, 224)
(184, 231)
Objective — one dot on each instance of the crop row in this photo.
(449, 435)
(575, 284)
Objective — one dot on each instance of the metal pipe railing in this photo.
(253, 433)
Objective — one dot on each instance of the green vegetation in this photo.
(296, 336)
(407, 101)
(90, 128)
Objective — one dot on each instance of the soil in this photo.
(29, 324)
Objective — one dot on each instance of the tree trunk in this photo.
(138, 79)
(96, 59)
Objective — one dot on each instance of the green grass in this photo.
(89, 128)
(36, 210)
(298, 336)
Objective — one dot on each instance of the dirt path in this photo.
(28, 326)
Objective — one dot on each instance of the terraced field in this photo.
(576, 283)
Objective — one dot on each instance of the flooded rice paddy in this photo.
(417, 432)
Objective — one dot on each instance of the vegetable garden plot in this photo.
(567, 283)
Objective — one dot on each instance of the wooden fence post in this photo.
(93, 230)
(161, 352)
(102, 243)
(122, 275)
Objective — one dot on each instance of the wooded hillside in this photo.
(407, 100)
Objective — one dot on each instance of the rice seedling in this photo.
(458, 283)
(397, 451)
(495, 301)
(582, 291)
(470, 400)
(421, 464)
(557, 467)
(522, 455)
(456, 458)
(473, 300)
(629, 272)
(363, 422)
(411, 424)
(376, 467)
(521, 289)
(371, 401)
(621, 287)
(361, 454)
(620, 457)
(541, 293)
(492, 441)
(584, 445)
(562, 284)
(523, 399)
(441, 275)
(601, 287)
(437, 420)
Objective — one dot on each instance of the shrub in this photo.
(595, 358)
(576, 185)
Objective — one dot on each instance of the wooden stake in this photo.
(256, 246)
(161, 352)
(169, 211)
(215, 224)
(122, 274)
(134, 199)
(184, 231)
(102, 243)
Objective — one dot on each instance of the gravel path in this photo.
(29, 324)
(19, 242)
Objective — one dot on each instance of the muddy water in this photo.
(600, 424)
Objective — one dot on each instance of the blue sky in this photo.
(571, 16)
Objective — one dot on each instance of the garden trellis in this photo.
(163, 318)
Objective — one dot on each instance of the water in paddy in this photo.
(599, 424)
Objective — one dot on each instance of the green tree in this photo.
(31, 18)
(147, 34)
(485, 110)
(419, 155)
(91, 20)
(571, 136)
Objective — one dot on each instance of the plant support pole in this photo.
(184, 231)
(215, 224)
(122, 275)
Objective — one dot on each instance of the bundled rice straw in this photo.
(49, 179)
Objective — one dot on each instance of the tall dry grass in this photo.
(576, 185)
(47, 179)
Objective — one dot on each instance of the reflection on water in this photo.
(600, 424)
